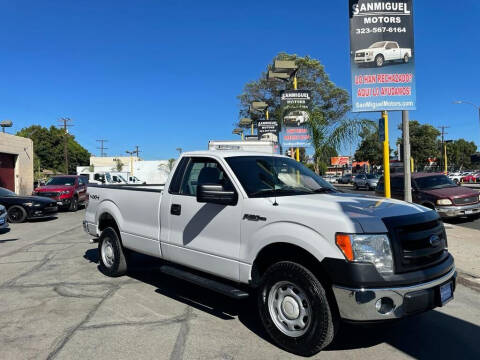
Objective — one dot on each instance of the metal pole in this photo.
(445, 157)
(406, 158)
(386, 157)
(297, 150)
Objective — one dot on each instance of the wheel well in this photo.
(273, 253)
(106, 220)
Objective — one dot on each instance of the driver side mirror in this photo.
(216, 194)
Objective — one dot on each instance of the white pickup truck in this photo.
(252, 224)
(381, 52)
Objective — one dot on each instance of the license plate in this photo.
(467, 212)
(446, 293)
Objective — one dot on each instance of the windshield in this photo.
(380, 44)
(59, 180)
(370, 176)
(434, 182)
(6, 192)
(265, 176)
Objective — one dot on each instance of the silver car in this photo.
(366, 181)
(3, 217)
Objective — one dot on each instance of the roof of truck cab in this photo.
(228, 153)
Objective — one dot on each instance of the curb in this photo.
(470, 281)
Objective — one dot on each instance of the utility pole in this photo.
(66, 124)
(443, 127)
(407, 185)
(386, 156)
(102, 147)
(136, 151)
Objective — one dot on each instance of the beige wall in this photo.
(23, 149)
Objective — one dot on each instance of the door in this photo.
(393, 51)
(82, 189)
(7, 171)
(201, 235)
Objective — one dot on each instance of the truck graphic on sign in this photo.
(381, 52)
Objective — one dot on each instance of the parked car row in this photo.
(65, 192)
(465, 177)
(438, 192)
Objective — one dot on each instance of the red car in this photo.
(471, 178)
(69, 191)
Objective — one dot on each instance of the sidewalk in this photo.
(464, 244)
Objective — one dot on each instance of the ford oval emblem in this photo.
(434, 240)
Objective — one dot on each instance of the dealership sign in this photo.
(267, 130)
(296, 99)
(339, 160)
(382, 55)
(296, 106)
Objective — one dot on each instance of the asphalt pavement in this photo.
(55, 304)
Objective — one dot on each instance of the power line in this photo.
(102, 147)
(66, 124)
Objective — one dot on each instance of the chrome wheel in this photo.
(108, 255)
(289, 308)
(379, 61)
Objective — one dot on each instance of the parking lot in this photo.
(56, 304)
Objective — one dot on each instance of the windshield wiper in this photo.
(323, 190)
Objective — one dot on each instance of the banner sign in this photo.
(382, 55)
(295, 137)
(267, 130)
(339, 160)
(296, 99)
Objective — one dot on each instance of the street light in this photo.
(131, 161)
(5, 123)
(469, 103)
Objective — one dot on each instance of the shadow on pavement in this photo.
(7, 240)
(43, 219)
(461, 220)
(431, 335)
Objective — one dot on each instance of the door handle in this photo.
(176, 209)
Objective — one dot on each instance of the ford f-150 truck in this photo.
(251, 224)
(381, 52)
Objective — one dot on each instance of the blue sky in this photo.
(165, 74)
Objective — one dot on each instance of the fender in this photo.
(285, 232)
(109, 207)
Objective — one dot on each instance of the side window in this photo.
(203, 171)
(177, 177)
(397, 183)
(80, 181)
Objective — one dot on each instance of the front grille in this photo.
(48, 194)
(466, 200)
(411, 237)
(360, 54)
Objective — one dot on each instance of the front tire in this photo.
(112, 260)
(73, 204)
(294, 309)
(16, 214)
(379, 60)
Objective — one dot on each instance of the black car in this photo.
(21, 208)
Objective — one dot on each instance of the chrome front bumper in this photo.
(90, 228)
(462, 210)
(359, 304)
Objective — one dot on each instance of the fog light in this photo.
(384, 305)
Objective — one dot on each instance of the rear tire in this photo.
(73, 204)
(16, 214)
(294, 309)
(406, 59)
(112, 261)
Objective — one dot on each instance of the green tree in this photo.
(459, 153)
(370, 148)
(424, 142)
(328, 123)
(118, 165)
(48, 148)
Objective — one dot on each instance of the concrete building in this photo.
(16, 164)
(111, 161)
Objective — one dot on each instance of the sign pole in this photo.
(297, 150)
(386, 157)
(406, 157)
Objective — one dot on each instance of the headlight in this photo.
(65, 192)
(444, 202)
(37, 204)
(372, 248)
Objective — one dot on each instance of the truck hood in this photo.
(54, 188)
(363, 50)
(367, 211)
(451, 192)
